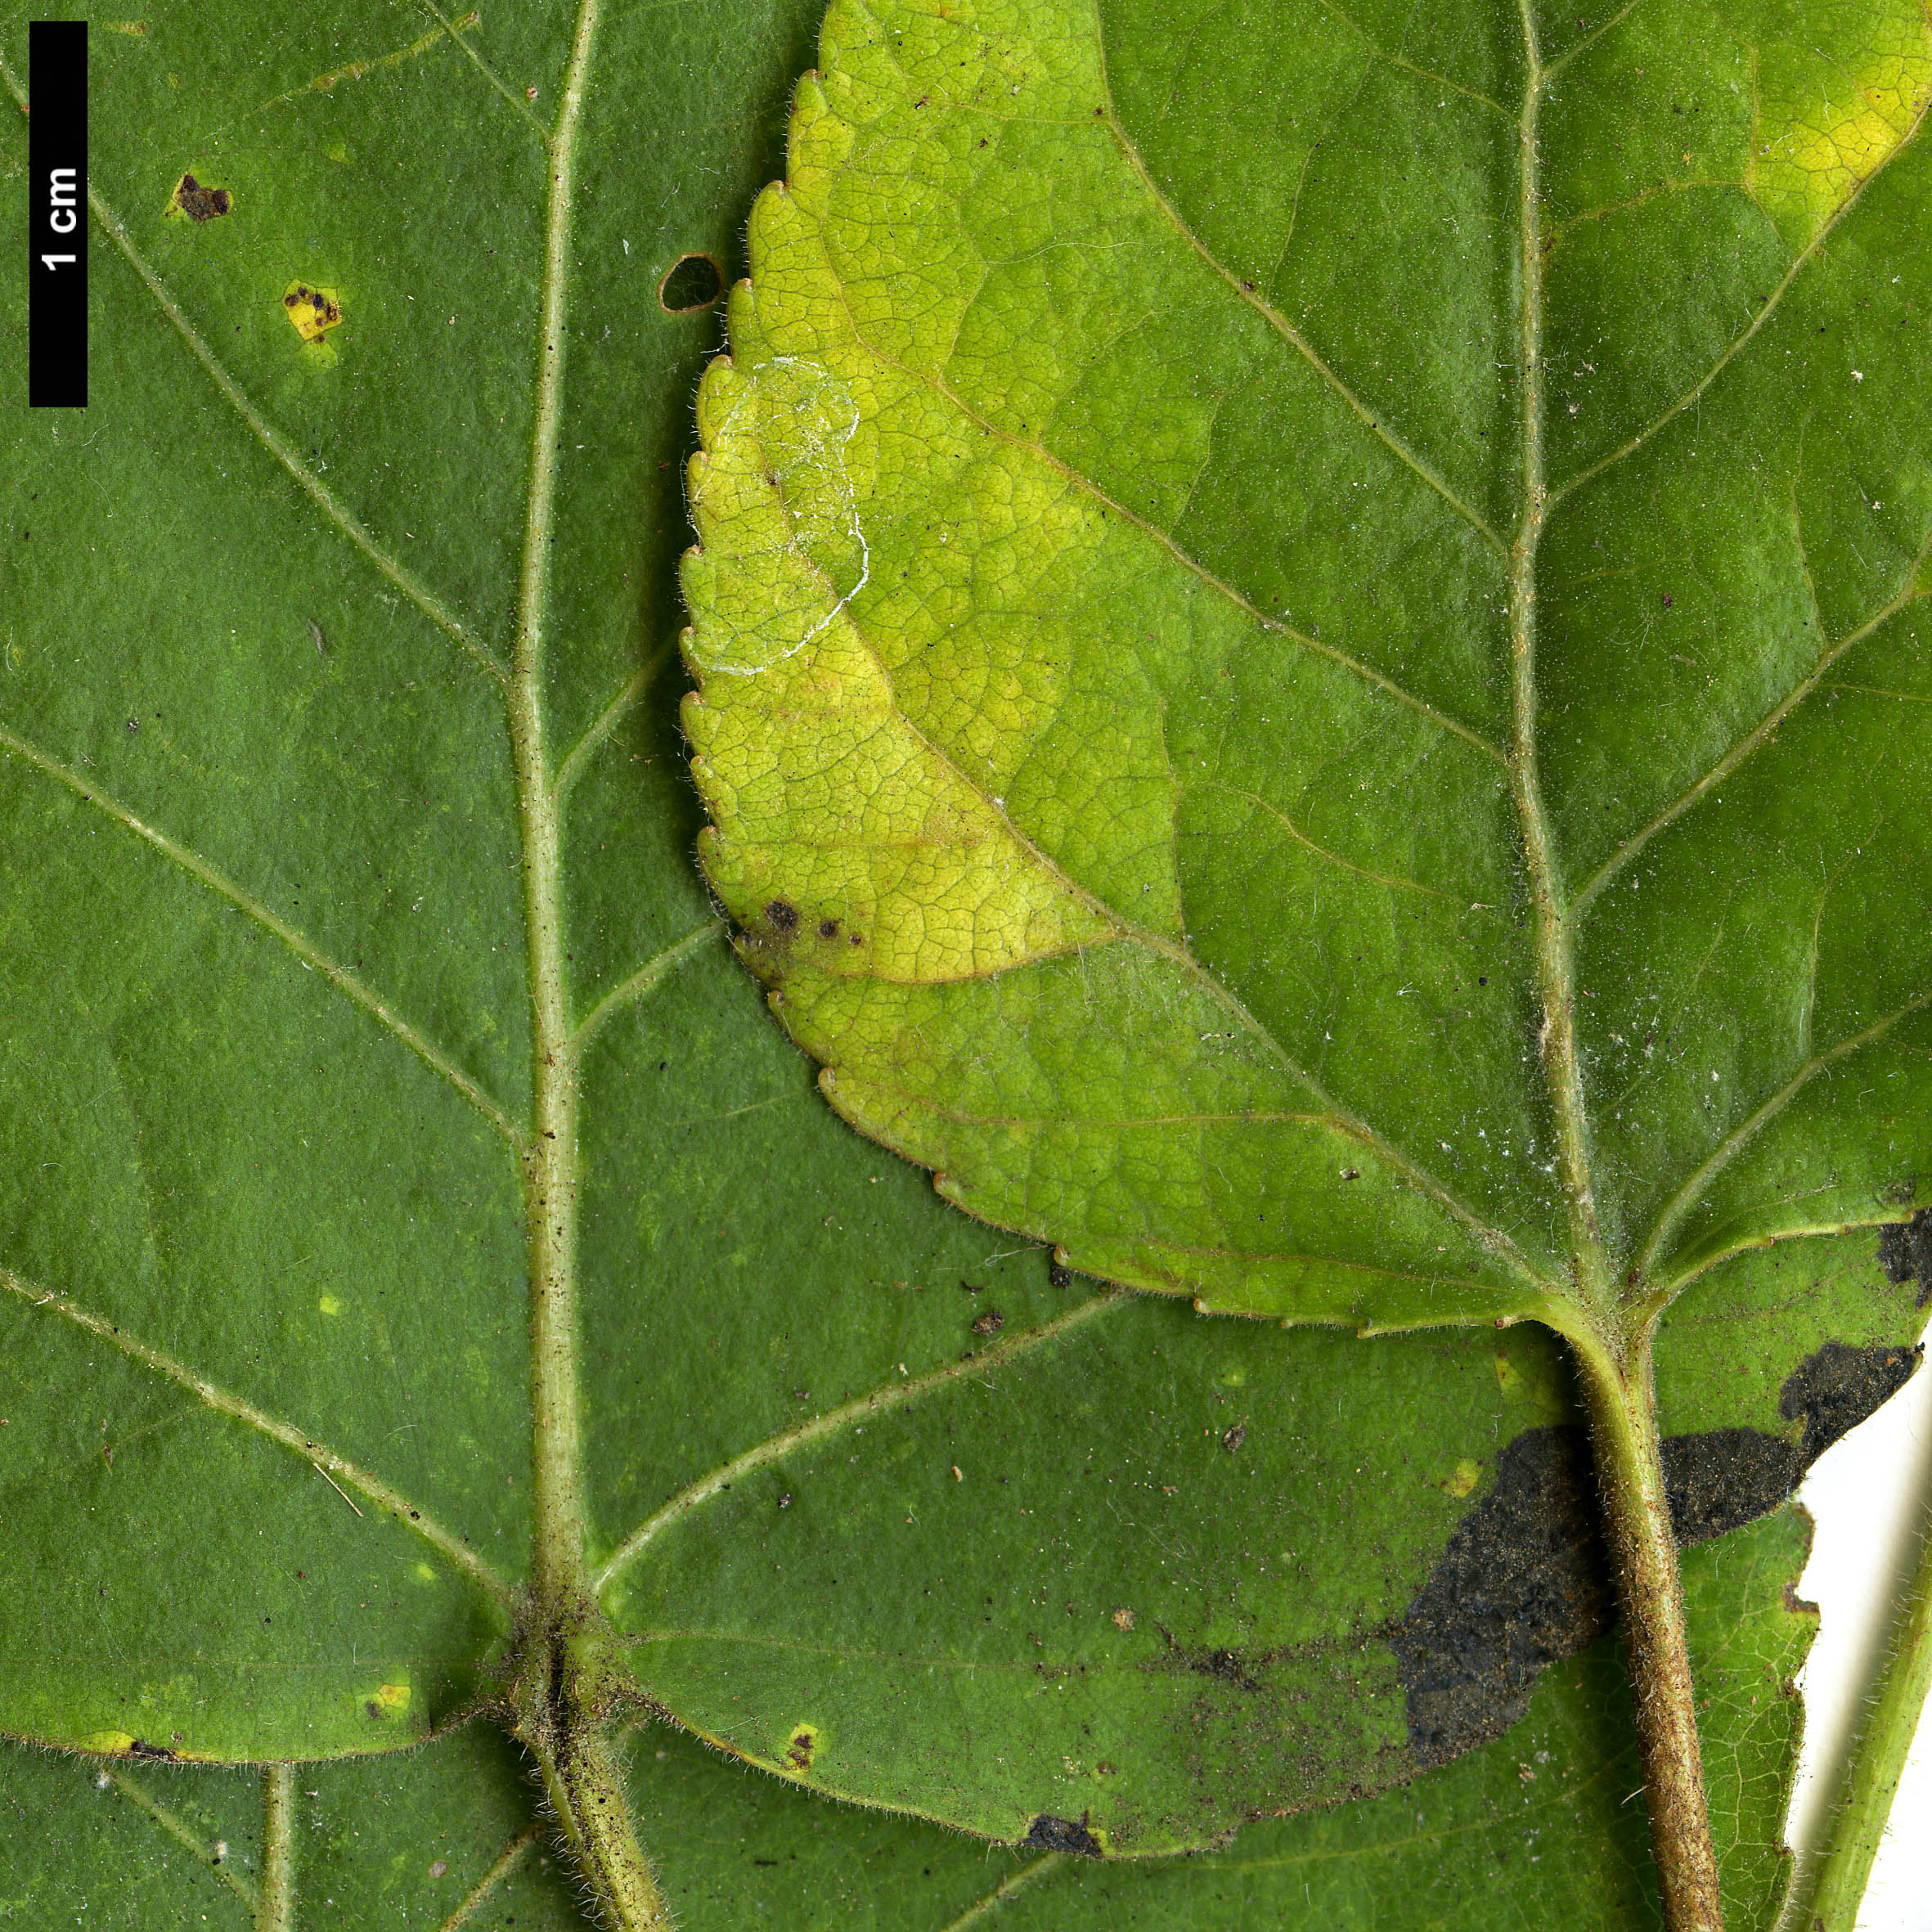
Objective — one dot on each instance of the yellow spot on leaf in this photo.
(1462, 1478)
(1828, 125)
(385, 1702)
(330, 1306)
(311, 311)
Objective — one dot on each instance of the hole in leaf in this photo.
(691, 283)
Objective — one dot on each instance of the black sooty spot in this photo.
(782, 916)
(140, 1747)
(374, 1710)
(1523, 1582)
(1050, 1834)
(1726, 1478)
(692, 282)
(199, 204)
(828, 928)
(1526, 1581)
(1838, 1387)
(1057, 1277)
(1905, 1253)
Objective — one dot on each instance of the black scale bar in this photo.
(57, 214)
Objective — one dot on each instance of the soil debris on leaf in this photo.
(1725, 1478)
(1524, 1581)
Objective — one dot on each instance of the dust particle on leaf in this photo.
(1234, 1438)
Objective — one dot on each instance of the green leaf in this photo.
(275, 1479)
(1107, 614)
(1535, 1825)
(1266, 722)
(409, 1839)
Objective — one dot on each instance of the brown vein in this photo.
(1433, 79)
(641, 982)
(1014, 1881)
(1280, 323)
(606, 721)
(180, 1832)
(1321, 851)
(473, 1901)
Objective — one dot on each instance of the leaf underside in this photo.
(265, 1368)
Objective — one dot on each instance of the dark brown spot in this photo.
(1058, 1277)
(691, 283)
(799, 1755)
(1051, 1833)
(828, 928)
(374, 1710)
(989, 1324)
(782, 916)
(139, 1748)
(200, 205)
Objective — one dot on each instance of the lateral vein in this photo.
(298, 943)
(391, 1502)
(880, 1402)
